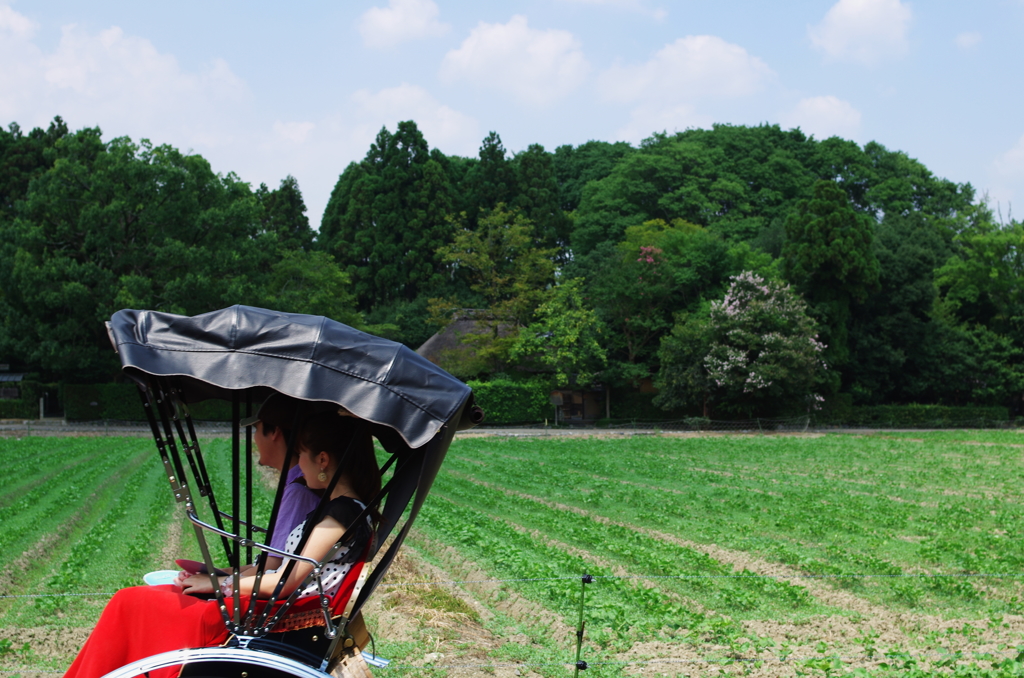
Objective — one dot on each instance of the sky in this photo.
(266, 89)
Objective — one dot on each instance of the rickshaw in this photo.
(243, 355)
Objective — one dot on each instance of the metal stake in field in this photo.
(581, 665)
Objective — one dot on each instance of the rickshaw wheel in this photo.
(221, 662)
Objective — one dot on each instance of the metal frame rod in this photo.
(204, 480)
(166, 408)
(196, 520)
(255, 528)
(248, 477)
(236, 551)
(148, 405)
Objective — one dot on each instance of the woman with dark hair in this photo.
(141, 621)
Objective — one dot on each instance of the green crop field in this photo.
(890, 554)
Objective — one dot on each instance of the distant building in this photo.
(9, 389)
(458, 346)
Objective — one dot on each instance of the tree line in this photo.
(740, 270)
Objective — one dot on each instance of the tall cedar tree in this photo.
(284, 214)
(829, 256)
(900, 351)
(387, 216)
(491, 181)
(118, 225)
(537, 196)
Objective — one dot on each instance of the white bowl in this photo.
(160, 577)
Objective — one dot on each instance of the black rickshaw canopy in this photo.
(307, 357)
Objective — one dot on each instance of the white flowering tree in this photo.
(755, 353)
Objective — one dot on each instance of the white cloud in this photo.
(967, 40)
(400, 21)
(443, 127)
(824, 117)
(526, 64)
(646, 120)
(293, 132)
(120, 82)
(631, 5)
(16, 25)
(689, 69)
(19, 63)
(1012, 161)
(1007, 176)
(113, 66)
(864, 31)
(666, 90)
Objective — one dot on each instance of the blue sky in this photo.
(268, 89)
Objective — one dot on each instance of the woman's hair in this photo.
(331, 433)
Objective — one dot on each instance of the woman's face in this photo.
(312, 463)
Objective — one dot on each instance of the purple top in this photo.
(297, 501)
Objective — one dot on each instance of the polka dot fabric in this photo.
(334, 571)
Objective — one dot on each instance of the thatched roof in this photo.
(450, 338)
(455, 347)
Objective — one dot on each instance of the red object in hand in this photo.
(195, 567)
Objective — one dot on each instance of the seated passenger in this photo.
(142, 621)
(272, 425)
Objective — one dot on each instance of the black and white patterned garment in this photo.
(345, 510)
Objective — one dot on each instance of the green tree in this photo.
(983, 278)
(658, 270)
(387, 217)
(760, 352)
(284, 213)
(301, 281)
(740, 181)
(576, 166)
(23, 157)
(732, 180)
(829, 256)
(537, 196)
(507, 271)
(565, 338)
(982, 297)
(900, 185)
(682, 380)
(491, 181)
(900, 350)
(117, 225)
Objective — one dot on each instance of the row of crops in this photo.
(87, 516)
(895, 554)
(921, 532)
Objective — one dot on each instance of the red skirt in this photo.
(142, 621)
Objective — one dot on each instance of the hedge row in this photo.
(27, 405)
(917, 416)
(504, 402)
(512, 402)
(89, 402)
(637, 406)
